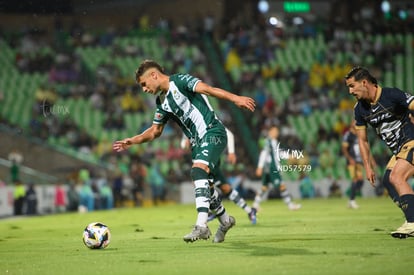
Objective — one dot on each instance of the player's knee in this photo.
(198, 173)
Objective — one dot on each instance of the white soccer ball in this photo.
(96, 235)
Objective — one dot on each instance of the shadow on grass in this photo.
(256, 250)
(270, 247)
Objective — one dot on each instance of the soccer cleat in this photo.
(222, 230)
(294, 206)
(198, 233)
(252, 216)
(353, 205)
(404, 231)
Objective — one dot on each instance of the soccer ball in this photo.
(96, 235)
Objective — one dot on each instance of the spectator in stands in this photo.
(335, 189)
(96, 190)
(103, 148)
(31, 200)
(326, 161)
(84, 142)
(16, 159)
(86, 196)
(128, 102)
(306, 188)
(114, 121)
(97, 100)
(107, 198)
(73, 198)
(60, 198)
(232, 61)
(157, 182)
(19, 195)
(138, 174)
(117, 187)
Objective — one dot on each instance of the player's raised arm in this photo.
(240, 101)
(149, 134)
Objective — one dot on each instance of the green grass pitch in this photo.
(324, 237)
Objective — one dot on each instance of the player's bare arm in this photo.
(149, 134)
(240, 101)
(366, 154)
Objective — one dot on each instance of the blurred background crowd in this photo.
(67, 87)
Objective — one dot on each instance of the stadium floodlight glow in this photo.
(273, 21)
(386, 9)
(402, 14)
(263, 6)
(385, 6)
(298, 20)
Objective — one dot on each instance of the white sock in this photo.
(202, 201)
(202, 219)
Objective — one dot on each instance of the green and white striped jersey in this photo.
(189, 109)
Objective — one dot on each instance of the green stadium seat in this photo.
(316, 174)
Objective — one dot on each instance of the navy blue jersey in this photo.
(351, 140)
(388, 115)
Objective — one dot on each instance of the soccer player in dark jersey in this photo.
(180, 97)
(387, 111)
(350, 149)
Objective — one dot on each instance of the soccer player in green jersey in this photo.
(268, 170)
(180, 97)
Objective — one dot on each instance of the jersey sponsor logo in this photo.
(380, 118)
